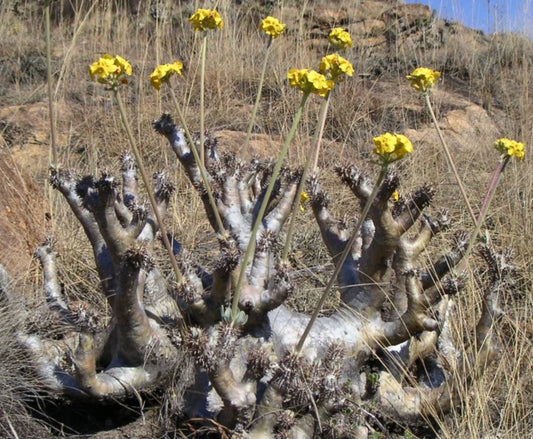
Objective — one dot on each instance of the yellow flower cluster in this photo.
(340, 38)
(422, 79)
(163, 73)
(392, 147)
(334, 66)
(111, 70)
(511, 148)
(205, 19)
(272, 27)
(310, 81)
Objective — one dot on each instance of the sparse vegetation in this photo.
(160, 375)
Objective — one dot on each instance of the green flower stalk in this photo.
(202, 100)
(273, 28)
(335, 68)
(275, 173)
(113, 71)
(507, 148)
(389, 148)
(313, 157)
(202, 21)
(308, 82)
(422, 80)
(159, 76)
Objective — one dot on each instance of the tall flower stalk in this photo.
(390, 148)
(259, 219)
(334, 68)
(507, 148)
(114, 72)
(273, 28)
(202, 100)
(308, 82)
(201, 167)
(202, 21)
(311, 158)
(422, 80)
(159, 76)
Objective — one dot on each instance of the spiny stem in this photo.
(317, 140)
(251, 244)
(53, 140)
(450, 159)
(147, 186)
(343, 257)
(258, 97)
(200, 165)
(202, 98)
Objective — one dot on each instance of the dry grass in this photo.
(495, 72)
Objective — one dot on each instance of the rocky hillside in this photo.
(481, 95)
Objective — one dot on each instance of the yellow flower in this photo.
(163, 73)
(111, 70)
(310, 81)
(124, 66)
(336, 66)
(304, 198)
(511, 148)
(272, 27)
(340, 38)
(204, 19)
(422, 79)
(396, 195)
(392, 147)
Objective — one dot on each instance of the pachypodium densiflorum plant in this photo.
(263, 369)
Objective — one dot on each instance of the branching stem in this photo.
(200, 164)
(343, 257)
(251, 244)
(147, 186)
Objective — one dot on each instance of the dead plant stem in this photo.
(51, 116)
